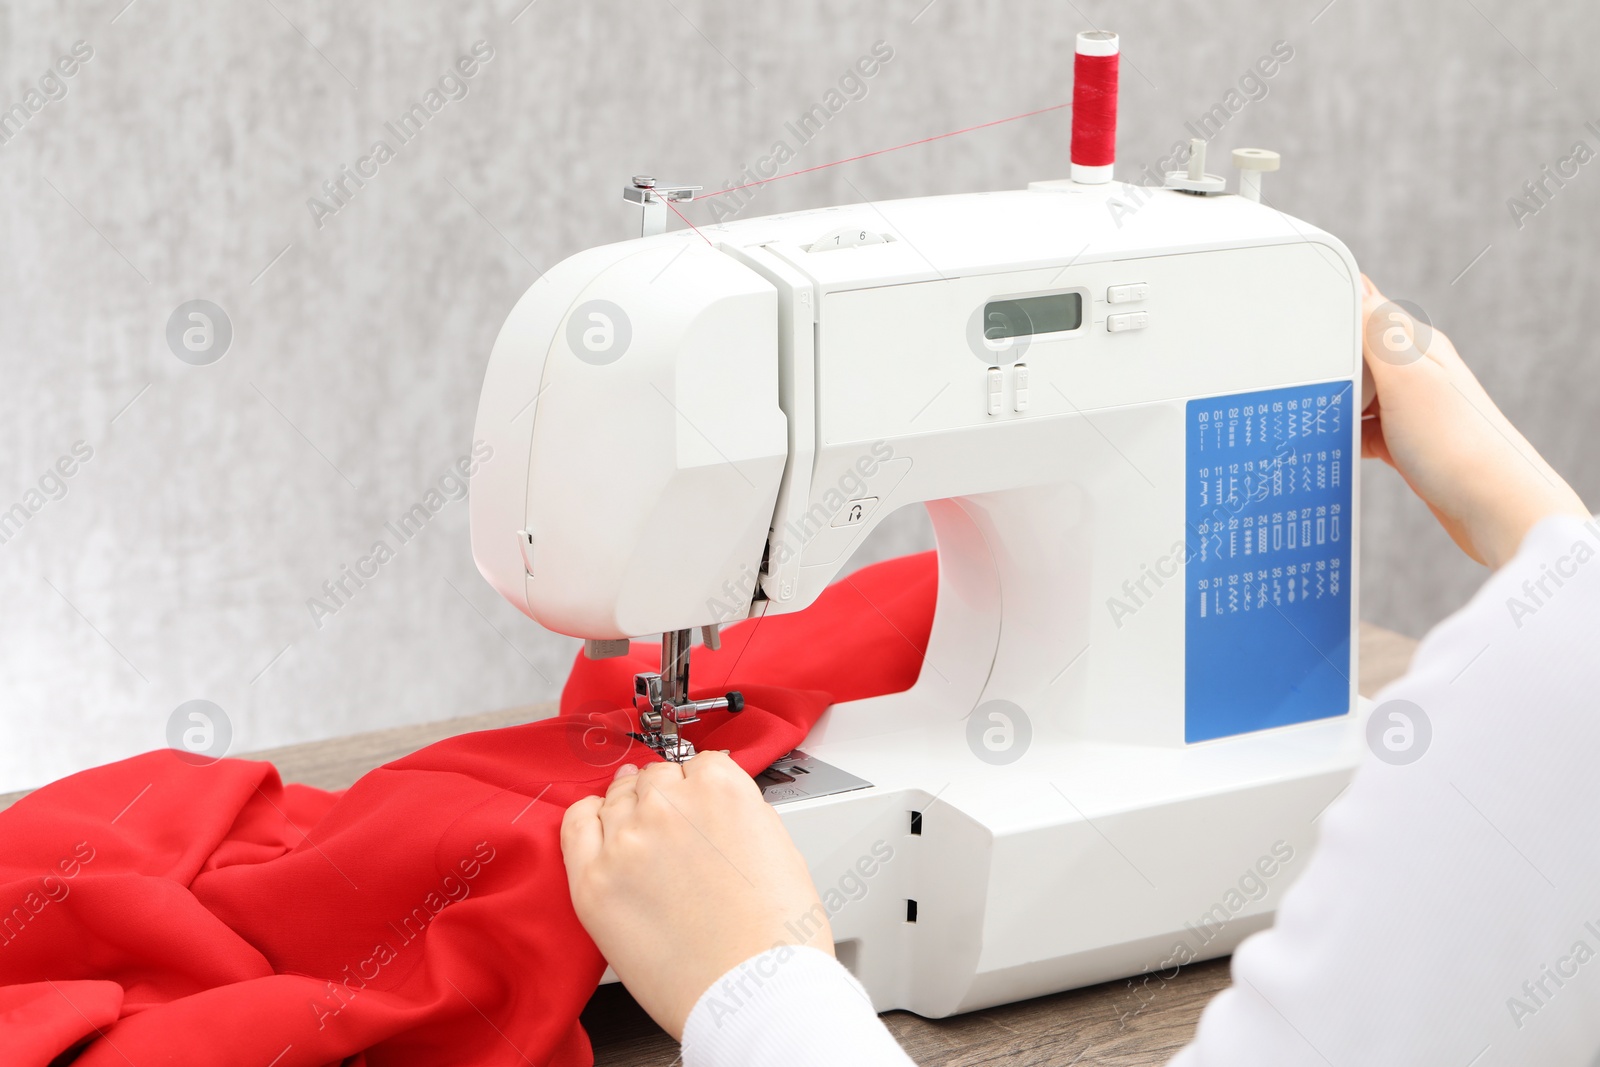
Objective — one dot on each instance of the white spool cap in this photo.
(1092, 175)
(1252, 164)
(1258, 159)
(1095, 43)
(1098, 43)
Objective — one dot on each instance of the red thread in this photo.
(882, 151)
(667, 201)
(1094, 110)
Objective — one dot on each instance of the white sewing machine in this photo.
(1134, 431)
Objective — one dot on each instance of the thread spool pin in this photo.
(1195, 179)
(1252, 164)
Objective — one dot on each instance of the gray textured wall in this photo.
(178, 163)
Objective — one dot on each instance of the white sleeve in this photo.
(788, 1007)
(1450, 913)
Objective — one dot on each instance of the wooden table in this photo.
(1105, 1025)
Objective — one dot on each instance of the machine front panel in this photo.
(1268, 575)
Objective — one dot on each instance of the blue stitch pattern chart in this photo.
(1267, 630)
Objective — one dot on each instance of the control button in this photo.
(1022, 386)
(1128, 320)
(855, 512)
(997, 390)
(1126, 294)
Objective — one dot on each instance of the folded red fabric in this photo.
(164, 910)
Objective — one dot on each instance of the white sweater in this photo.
(1450, 914)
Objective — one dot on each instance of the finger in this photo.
(624, 784)
(1393, 340)
(1373, 444)
(581, 834)
(621, 797)
(1369, 388)
(1388, 335)
(655, 776)
(718, 769)
(710, 764)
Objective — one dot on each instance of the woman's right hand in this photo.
(1432, 421)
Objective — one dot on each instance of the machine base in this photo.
(952, 885)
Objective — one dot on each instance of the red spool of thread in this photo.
(1094, 106)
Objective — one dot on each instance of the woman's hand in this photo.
(682, 872)
(1432, 421)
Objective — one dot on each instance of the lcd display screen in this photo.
(1029, 316)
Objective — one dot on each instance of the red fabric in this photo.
(162, 912)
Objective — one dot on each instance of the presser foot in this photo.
(675, 750)
(662, 700)
(660, 719)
